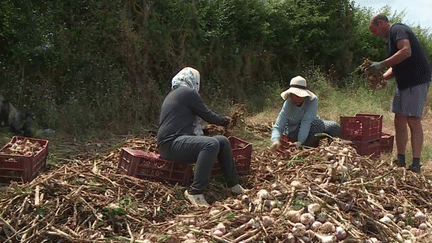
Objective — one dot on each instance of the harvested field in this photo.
(290, 199)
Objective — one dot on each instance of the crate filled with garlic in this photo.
(22, 158)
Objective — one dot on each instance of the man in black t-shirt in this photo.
(408, 64)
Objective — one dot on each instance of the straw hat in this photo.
(298, 87)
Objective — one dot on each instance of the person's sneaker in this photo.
(414, 168)
(237, 189)
(398, 163)
(197, 200)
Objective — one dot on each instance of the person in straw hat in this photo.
(298, 119)
(180, 137)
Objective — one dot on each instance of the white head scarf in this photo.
(189, 77)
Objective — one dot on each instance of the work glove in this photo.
(228, 123)
(275, 145)
(376, 67)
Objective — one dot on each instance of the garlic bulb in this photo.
(218, 233)
(245, 199)
(318, 180)
(270, 203)
(423, 226)
(307, 219)
(253, 223)
(276, 193)
(290, 238)
(189, 241)
(237, 204)
(190, 235)
(314, 208)
(267, 221)
(340, 233)
(191, 221)
(330, 156)
(326, 238)
(304, 238)
(316, 226)
(402, 216)
(221, 228)
(386, 220)
(299, 230)
(294, 216)
(399, 237)
(416, 232)
(419, 217)
(328, 227)
(296, 184)
(263, 194)
(242, 218)
(214, 212)
(405, 233)
(276, 212)
(322, 217)
(390, 216)
(372, 240)
(342, 169)
(276, 185)
(203, 240)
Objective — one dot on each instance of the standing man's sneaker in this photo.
(196, 200)
(414, 168)
(400, 160)
(399, 163)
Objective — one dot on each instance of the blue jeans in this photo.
(204, 151)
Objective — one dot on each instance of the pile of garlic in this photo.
(22, 147)
(313, 224)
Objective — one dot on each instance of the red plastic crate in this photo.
(368, 148)
(22, 168)
(361, 127)
(242, 154)
(386, 142)
(149, 166)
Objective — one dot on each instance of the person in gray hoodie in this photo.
(180, 136)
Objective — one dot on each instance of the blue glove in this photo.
(376, 67)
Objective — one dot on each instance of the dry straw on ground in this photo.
(88, 201)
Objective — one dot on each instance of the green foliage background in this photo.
(87, 65)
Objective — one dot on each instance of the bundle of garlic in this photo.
(22, 147)
(375, 81)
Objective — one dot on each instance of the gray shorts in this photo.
(411, 101)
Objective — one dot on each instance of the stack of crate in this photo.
(365, 131)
